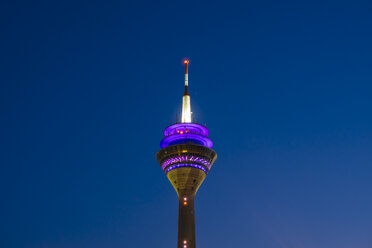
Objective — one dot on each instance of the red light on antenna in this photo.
(186, 61)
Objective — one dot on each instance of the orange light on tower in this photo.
(186, 62)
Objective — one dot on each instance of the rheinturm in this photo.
(186, 157)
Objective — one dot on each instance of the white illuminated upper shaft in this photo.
(186, 107)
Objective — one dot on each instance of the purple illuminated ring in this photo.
(186, 128)
(185, 165)
(186, 159)
(172, 139)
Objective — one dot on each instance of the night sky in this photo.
(87, 88)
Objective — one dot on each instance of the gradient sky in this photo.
(87, 88)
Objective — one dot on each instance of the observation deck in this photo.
(186, 145)
(186, 156)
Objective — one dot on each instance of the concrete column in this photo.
(186, 222)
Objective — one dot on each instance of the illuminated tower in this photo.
(186, 156)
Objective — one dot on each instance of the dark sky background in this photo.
(88, 87)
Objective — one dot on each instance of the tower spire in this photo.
(186, 107)
(186, 77)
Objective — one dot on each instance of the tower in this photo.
(186, 156)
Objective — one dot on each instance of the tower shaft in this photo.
(186, 223)
(186, 181)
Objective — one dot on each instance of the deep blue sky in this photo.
(87, 88)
